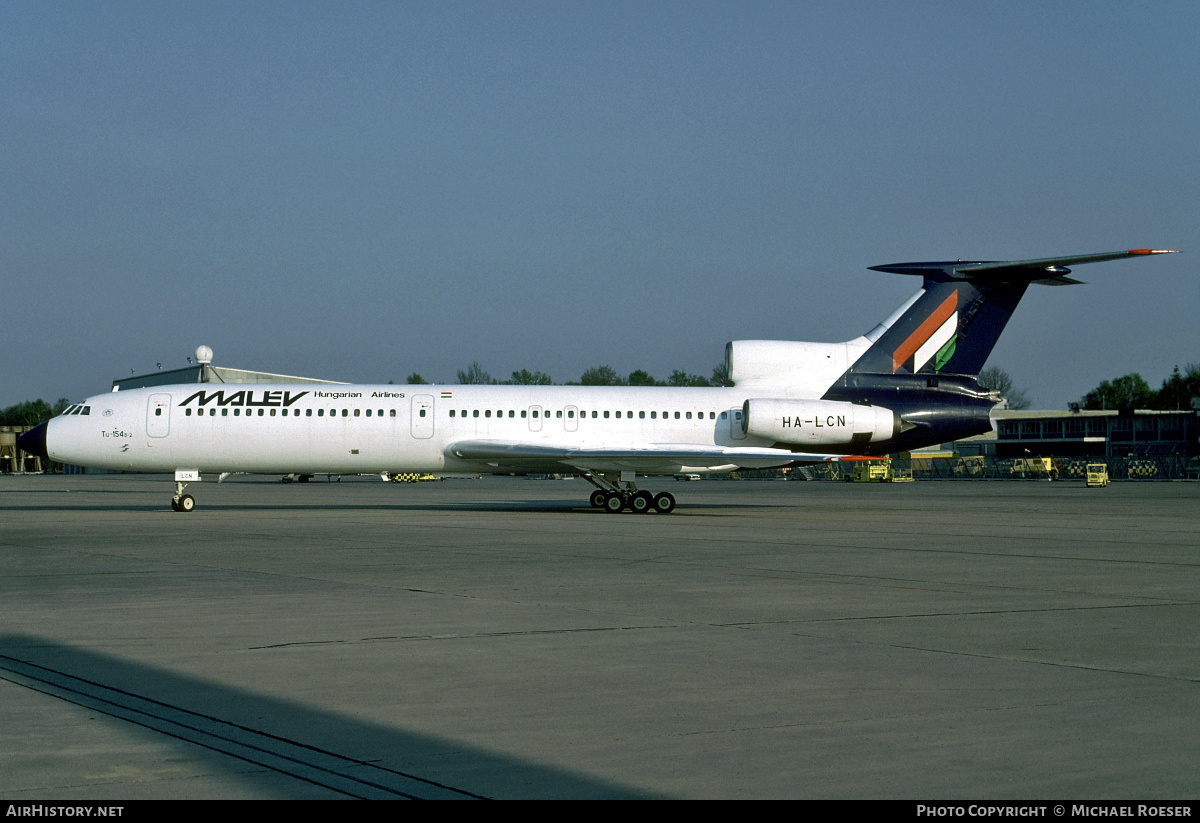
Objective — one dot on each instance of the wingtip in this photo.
(1153, 251)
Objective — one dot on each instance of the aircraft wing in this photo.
(653, 458)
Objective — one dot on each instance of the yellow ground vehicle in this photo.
(1097, 474)
(1036, 467)
(874, 470)
(410, 477)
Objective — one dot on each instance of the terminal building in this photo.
(1108, 434)
(12, 457)
(203, 371)
(1134, 444)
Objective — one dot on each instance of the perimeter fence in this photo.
(1141, 467)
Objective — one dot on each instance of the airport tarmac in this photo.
(498, 638)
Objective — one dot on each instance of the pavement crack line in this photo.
(461, 636)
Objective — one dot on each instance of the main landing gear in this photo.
(618, 494)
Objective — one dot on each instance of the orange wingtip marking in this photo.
(1151, 251)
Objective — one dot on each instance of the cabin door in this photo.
(422, 416)
(158, 415)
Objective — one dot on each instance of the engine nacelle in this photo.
(790, 368)
(823, 423)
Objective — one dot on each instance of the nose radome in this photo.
(34, 441)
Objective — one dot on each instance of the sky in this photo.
(357, 191)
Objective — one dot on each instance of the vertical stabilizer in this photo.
(951, 328)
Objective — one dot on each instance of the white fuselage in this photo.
(346, 429)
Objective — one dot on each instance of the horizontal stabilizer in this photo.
(1048, 271)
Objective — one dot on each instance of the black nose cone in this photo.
(34, 441)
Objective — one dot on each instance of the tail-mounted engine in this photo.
(826, 424)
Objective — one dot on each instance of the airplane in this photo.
(910, 382)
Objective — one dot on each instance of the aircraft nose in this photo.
(34, 441)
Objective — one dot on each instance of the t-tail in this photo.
(923, 359)
(953, 323)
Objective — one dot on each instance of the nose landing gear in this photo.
(184, 502)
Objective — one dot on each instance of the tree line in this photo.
(1128, 392)
(476, 375)
(32, 412)
(1132, 391)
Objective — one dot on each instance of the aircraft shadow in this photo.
(325, 754)
(507, 506)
